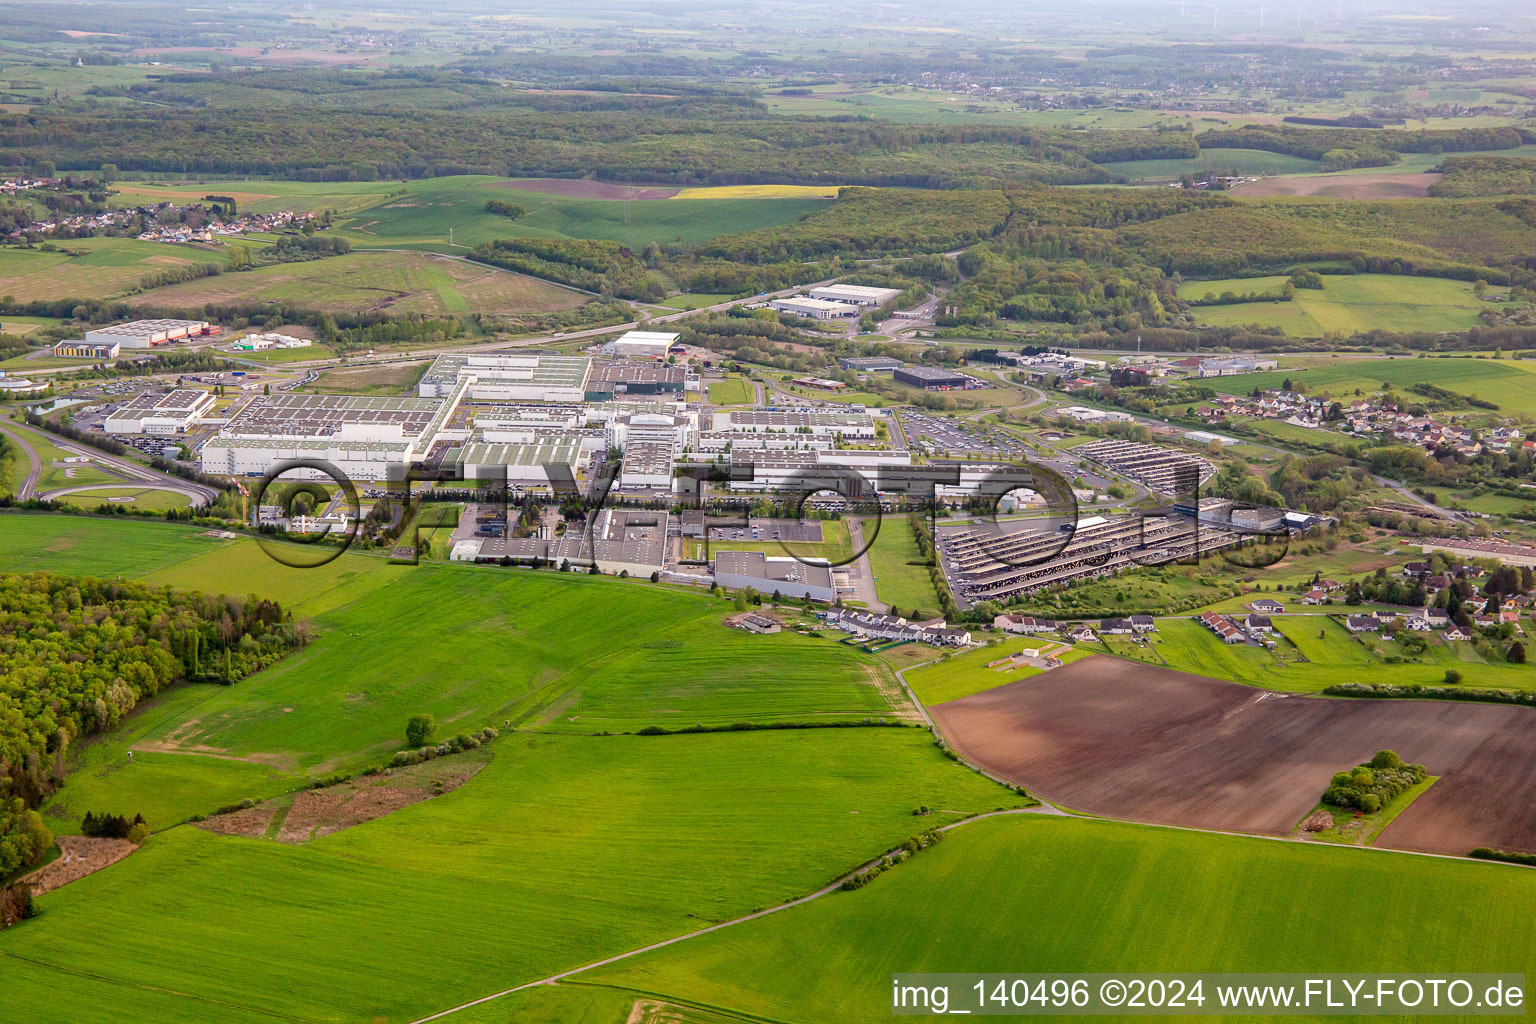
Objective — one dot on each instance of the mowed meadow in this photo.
(1510, 383)
(359, 281)
(1346, 304)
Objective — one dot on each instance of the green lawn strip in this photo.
(960, 675)
(901, 577)
(731, 391)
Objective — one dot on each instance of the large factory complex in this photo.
(632, 426)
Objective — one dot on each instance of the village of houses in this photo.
(159, 222)
(1370, 416)
(1482, 609)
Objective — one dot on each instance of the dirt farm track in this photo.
(1111, 737)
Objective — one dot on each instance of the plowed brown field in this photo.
(1111, 737)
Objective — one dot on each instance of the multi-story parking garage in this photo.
(988, 565)
(1165, 470)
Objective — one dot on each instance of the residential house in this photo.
(1025, 624)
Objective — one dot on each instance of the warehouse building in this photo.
(147, 333)
(164, 413)
(1235, 365)
(790, 577)
(647, 465)
(930, 378)
(610, 380)
(855, 294)
(87, 349)
(850, 426)
(367, 438)
(642, 344)
(618, 540)
(509, 377)
(816, 309)
(524, 465)
(871, 364)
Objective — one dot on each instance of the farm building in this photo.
(1025, 624)
(855, 294)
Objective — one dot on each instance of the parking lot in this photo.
(938, 436)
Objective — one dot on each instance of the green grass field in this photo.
(731, 391)
(562, 850)
(97, 547)
(1347, 304)
(961, 675)
(693, 301)
(1510, 383)
(395, 641)
(1220, 161)
(900, 578)
(1335, 657)
(102, 268)
(401, 282)
(130, 495)
(1078, 895)
(421, 212)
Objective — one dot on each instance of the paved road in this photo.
(200, 494)
(183, 489)
(35, 465)
(1421, 502)
(860, 574)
